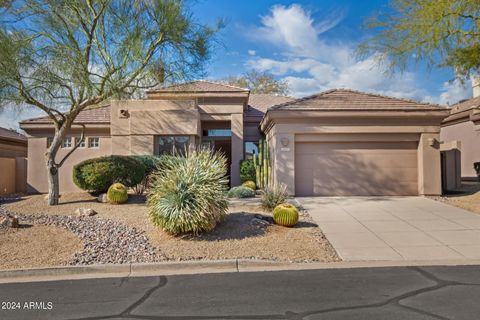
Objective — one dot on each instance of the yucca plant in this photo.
(190, 193)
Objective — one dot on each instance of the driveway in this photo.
(395, 228)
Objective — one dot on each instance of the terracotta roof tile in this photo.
(345, 99)
(90, 115)
(259, 103)
(199, 86)
(11, 135)
(466, 105)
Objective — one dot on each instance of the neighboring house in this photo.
(463, 125)
(13, 151)
(339, 142)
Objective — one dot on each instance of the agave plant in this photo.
(189, 194)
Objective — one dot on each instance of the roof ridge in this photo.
(316, 95)
(179, 85)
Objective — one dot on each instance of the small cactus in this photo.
(285, 214)
(117, 193)
(249, 184)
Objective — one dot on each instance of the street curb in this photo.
(201, 267)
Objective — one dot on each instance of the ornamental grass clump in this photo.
(273, 196)
(189, 194)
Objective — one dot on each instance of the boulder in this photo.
(9, 222)
(102, 198)
(85, 212)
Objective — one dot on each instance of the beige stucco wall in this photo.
(37, 181)
(469, 136)
(7, 176)
(135, 133)
(312, 126)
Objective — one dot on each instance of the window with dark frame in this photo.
(93, 142)
(172, 144)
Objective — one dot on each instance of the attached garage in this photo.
(355, 168)
(348, 143)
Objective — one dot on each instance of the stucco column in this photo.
(237, 148)
(283, 145)
(429, 168)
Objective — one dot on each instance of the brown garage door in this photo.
(355, 168)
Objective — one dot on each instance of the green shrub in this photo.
(117, 193)
(241, 192)
(249, 184)
(285, 214)
(189, 194)
(273, 196)
(151, 163)
(247, 171)
(98, 174)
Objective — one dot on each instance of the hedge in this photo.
(98, 174)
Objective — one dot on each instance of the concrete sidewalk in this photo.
(395, 228)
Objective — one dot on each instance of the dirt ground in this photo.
(36, 246)
(236, 237)
(468, 199)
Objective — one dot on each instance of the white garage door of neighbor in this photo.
(355, 168)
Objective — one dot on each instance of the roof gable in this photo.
(346, 99)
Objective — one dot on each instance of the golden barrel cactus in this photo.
(249, 184)
(117, 193)
(285, 214)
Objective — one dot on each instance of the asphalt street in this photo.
(364, 293)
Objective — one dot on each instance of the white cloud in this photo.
(455, 91)
(311, 64)
(252, 52)
(11, 115)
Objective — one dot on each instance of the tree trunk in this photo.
(53, 183)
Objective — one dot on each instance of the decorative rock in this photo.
(102, 198)
(46, 196)
(85, 212)
(9, 221)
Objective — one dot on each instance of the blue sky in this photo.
(310, 44)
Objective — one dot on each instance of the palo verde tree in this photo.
(259, 82)
(63, 56)
(443, 33)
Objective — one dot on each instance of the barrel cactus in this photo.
(117, 193)
(285, 214)
(249, 184)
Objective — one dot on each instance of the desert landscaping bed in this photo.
(468, 199)
(247, 232)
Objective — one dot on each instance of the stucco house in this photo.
(339, 142)
(463, 125)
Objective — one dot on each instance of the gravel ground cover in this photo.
(36, 246)
(124, 233)
(469, 199)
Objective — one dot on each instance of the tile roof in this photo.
(258, 103)
(345, 99)
(11, 135)
(89, 115)
(466, 105)
(199, 86)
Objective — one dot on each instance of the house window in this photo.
(67, 143)
(82, 144)
(49, 141)
(217, 133)
(251, 148)
(93, 142)
(172, 144)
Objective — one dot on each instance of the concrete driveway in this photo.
(395, 228)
